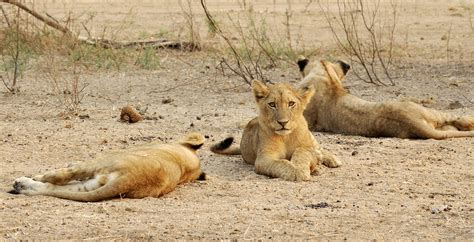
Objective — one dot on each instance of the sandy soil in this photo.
(387, 188)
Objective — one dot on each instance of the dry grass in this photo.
(250, 48)
(16, 48)
(365, 33)
(63, 58)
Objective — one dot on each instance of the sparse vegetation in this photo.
(250, 49)
(147, 59)
(15, 50)
(191, 25)
(64, 57)
(365, 33)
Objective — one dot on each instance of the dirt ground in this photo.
(387, 188)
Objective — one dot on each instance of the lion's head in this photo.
(281, 106)
(326, 77)
(323, 73)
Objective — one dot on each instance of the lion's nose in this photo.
(282, 122)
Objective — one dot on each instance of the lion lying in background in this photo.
(278, 141)
(333, 109)
(149, 170)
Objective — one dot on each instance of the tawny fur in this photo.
(333, 109)
(278, 141)
(149, 170)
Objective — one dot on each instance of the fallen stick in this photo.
(106, 43)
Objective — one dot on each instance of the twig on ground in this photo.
(106, 43)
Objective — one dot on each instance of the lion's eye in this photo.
(291, 104)
(272, 104)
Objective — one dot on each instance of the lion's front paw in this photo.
(315, 167)
(331, 161)
(297, 175)
(28, 186)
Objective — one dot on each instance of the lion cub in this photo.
(333, 109)
(278, 141)
(149, 170)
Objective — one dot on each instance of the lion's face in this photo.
(281, 107)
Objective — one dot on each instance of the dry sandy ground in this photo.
(387, 188)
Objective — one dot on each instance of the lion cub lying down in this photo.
(278, 141)
(333, 109)
(149, 170)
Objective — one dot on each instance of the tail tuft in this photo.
(225, 147)
(202, 177)
(223, 144)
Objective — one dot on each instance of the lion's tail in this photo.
(225, 147)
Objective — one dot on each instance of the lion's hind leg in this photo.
(425, 131)
(98, 188)
(465, 123)
(65, 175)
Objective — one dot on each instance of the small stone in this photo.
(440, 209)
(355, 152)
(167, 100)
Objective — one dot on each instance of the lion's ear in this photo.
(343, 69)
(193, 141)
(260, 90)
(306, 92)
(302, 62)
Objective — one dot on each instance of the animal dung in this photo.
(130, 115)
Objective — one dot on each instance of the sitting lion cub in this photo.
(278, 141)
(333, 109)
(149, 170)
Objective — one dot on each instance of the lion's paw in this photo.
(28, 186)
(297, 176)
(331, 161)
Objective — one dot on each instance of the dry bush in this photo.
(250, 48)
(191, 25)
(63, 56)
(15, 48)
(365, 33)
(65, 69)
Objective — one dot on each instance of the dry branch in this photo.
(246, 65)
(106, 43)
(361, 34)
